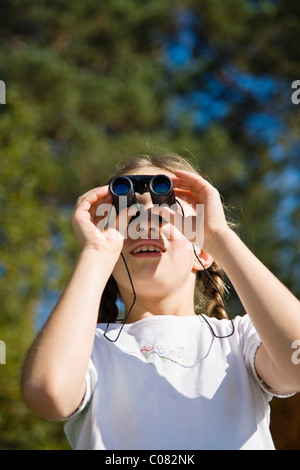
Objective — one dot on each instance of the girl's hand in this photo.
(85, 220)
(196, 190)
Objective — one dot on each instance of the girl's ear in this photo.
(205, 259)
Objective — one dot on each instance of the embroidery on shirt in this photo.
(175, 354)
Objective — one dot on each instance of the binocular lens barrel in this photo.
(160, 185)
(121, 186)
(161, 190)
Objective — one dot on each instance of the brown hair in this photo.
(207, 296)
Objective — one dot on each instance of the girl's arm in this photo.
(273, 309)
(53, 375)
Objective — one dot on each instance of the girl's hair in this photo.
(208, 293)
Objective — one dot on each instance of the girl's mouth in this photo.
(150, 251)
(147, 250)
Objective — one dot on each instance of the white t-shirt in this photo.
(168, 383)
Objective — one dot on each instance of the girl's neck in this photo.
(143, 308)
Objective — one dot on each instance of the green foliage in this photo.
(90, 83)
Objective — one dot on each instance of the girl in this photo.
(168, 376)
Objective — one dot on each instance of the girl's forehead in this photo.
(149, 170)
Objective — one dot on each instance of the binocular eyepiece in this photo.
(159, 186)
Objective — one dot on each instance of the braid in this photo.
(108, 311)
(212, 298)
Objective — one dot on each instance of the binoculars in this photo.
(159, 186)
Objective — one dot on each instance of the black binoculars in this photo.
(159, 186)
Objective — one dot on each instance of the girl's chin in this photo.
(149, 285)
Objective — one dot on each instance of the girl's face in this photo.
(159, 258)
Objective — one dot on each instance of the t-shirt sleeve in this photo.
(250, 343)
(90, 383)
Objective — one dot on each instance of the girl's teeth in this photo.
(146, 248)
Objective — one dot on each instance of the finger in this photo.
(192, 178)
(184, 183)
(122, 220)
(93, 195)
(196, 184)
(187, 192)
(98, 203)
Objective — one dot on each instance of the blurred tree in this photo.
(91, 82)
